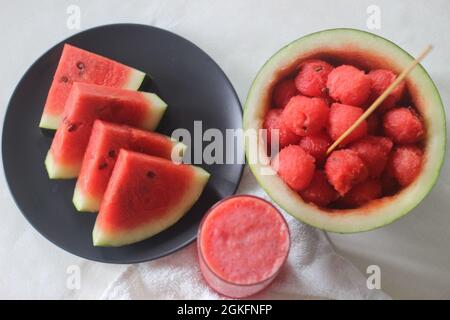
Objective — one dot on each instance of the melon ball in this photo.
(295, 166)
(349, 85)
(311, 80)
(316, 145)
(405, 164)
(362, 193)
(319, 191)
(305, 116)
(343, 117)
(345, 169)
(271, 122)
(374, 152)
(283, 92)
(381, 79)
(403, 126)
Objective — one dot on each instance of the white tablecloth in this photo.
(240, 35)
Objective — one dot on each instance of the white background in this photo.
(413, 253)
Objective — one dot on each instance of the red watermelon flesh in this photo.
(100, 157)
(368, 168)
(145, 196)
(87, 103)
(78, 65)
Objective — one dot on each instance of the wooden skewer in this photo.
(380, 99)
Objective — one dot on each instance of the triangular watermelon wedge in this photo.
(88, 102)
(78, 65)
(145, 195)
(104, 145)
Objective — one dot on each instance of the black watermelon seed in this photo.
(72, 127)
(64, 79)
(80, 65)
(151, 174)
(102, 166)
(112, 154)
(318, 68)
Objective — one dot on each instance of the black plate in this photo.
(194, 87)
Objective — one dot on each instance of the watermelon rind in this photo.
(59, 171)
(86, 203)
(105, 239)
(135, 80)
(157, 106)
(50, 122)
(426, 98)
(178, 151)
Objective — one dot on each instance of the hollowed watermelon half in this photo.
(367, 52)
(145, 196)
(78, 65)
(88, 102)
(106, 141)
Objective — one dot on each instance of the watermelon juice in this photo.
(243, 242)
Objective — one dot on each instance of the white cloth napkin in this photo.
(313, 270)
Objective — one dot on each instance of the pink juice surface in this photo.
(243, 243)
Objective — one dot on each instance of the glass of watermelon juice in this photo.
(243, 242)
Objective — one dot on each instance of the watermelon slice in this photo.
(88, 102)
(145, 196)
(104, 145)
(77, 65)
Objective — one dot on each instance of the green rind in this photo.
(135, 80)
(157, 107)
(178, 151)
(50, 122)
(380, 212)
(58, 171)
(84, 202)
(104, 239)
